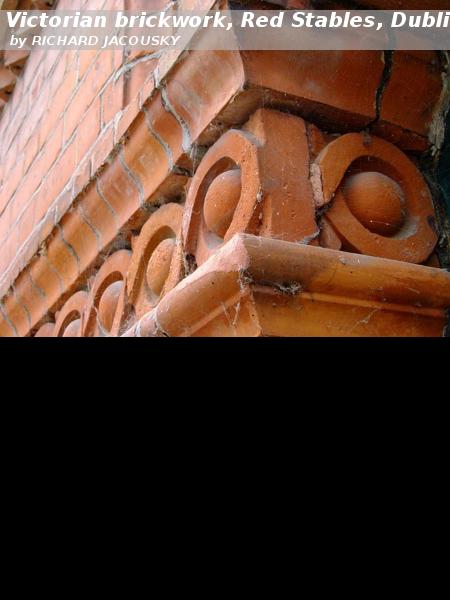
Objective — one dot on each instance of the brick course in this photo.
(90, 142)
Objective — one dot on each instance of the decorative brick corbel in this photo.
(195, 105)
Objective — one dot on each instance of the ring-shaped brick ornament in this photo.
(416, 239)
(113, 270)
(234, 150)
(162, 227)
(70, 319)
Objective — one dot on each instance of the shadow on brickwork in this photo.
(444, 168)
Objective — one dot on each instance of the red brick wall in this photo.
(68, 110)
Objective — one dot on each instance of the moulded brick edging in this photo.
(105, 146)
(155, 137)
(94, 161)
(148, 153)
(344, 278)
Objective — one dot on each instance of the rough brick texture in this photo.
(93, 142)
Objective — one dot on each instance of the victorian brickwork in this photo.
(223, 193)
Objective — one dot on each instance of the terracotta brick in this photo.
(45, 225)
(118, 57)
(89, 129)
(86, 92)
(369, 203)
(42, 201)
(15, 58)
(125, 120)
(6, 329)
(16, 208)
(11, 183)
(119, 190)
(75, 111)
(112, 100)
(102, 148)
(46, 331)
(100, 215)
(81, 177)
(4, 228)
(59, 73)
(86, 59)
(103, 68)
(62, 203)
(30, 296)
(81, 237)
(52, 57)
(52, 147)
(62, 171)
(59, 104)
(41, 166)
(46, 278)
(17, 316)
(411, 107)
(26, 223)
(165, 127)
(146, 91)
(63, 259)
(146, 157)
(332, 89)
(69, 322)
(112, 313)
(4, 262)
(137, 77)
(254, 129)
(7, 79)
(191, 101)
(30, 151)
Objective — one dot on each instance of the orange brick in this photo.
(26, 223)
(16, 315)
(411, 106)
(82, 176)
(137, 77)
(86, 92)
(63, 259)
(81, 237)
(99, 215)
(128, 116)
(46, 279)
(88, 129)
(30, 296)
(63, 170)
(59, 104)
(12, 181)
(112, 100)
(146, 157)
(86, 58)
(165, 127)
(120, 191)
(102, 149)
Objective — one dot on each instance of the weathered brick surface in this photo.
(92, 142)
(59, 128)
